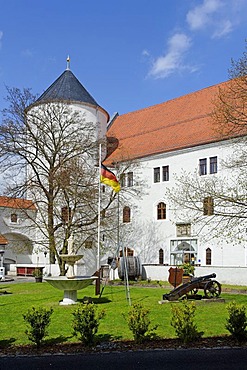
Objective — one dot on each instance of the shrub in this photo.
(188, 269)
(38, 321)
(139, 323)
(183, 322)
(86, 323)
(237, 321)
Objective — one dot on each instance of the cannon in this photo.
(211, 288)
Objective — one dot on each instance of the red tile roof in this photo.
(16, 203)
(3, 240)
(176, 124)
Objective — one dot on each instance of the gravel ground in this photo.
(119, 346)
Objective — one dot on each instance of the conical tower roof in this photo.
(67, 88)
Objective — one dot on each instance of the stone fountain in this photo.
(70, 283)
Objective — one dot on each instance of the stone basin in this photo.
(71, 258)
(63, 283)
(70, 286)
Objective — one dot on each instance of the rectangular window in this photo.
(13, 217)
(122, 180)
(66, 214)
(126, 179)
(203, 166)
(88, 244)
(208, 206)
(183, 229)
(156, 174)
(129, 179)
(213, 165)
(165, 171)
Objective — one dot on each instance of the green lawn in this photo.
(210, 317)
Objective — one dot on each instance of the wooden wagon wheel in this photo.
(212, 289)
(193, 291)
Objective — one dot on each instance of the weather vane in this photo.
(68, 62)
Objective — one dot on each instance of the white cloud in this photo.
(199, 17)
(223, 29)
(145, 53)
(172, 61)
(219, 17)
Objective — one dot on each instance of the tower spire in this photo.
(68, 63)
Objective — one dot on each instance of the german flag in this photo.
(108, 178)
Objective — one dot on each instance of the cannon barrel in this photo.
(204, 277)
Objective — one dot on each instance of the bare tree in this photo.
(49, 154)
(218, 204)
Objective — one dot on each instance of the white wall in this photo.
(224, 275)
(19, 235)
(224, 252)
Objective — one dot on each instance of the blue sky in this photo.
(129, 54)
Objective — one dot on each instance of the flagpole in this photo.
(99, 195)
(126, 278)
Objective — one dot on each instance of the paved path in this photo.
(186, 359)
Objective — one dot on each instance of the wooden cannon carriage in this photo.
(211, 288)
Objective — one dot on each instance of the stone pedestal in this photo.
(70, 297)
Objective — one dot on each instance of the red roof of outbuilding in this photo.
(176, 124)
(3, 240)
(16, 203)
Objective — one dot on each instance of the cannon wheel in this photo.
(212, 289)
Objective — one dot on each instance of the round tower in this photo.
(67, 89)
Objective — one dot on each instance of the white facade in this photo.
(17, 228)
(162, 236)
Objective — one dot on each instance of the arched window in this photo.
(161, 211)
(208, 256)
(13, 217)
(161, 256)
(126, 214)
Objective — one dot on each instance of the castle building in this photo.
(168, 140)
(162, 141)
